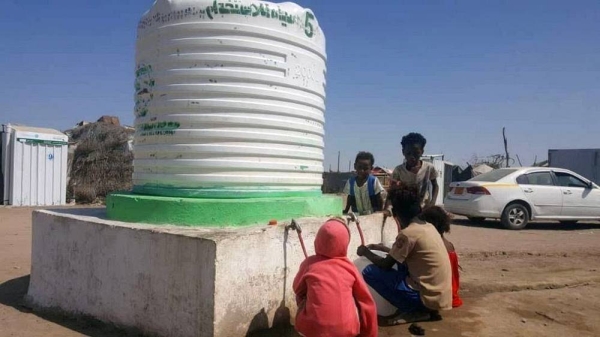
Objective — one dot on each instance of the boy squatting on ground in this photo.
(422, 285)
(415, 172)
(440, 219)
(333, 299)
(364, 190)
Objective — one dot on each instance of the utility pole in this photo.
(338, 162)
(349, 165)
(505, 146)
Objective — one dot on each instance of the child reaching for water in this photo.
(333, 299)
(441, 221)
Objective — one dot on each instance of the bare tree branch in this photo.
(494, 161)
(505, 146)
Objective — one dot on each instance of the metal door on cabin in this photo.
(39, 173)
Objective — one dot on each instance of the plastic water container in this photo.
(230, 100)
(384, 308)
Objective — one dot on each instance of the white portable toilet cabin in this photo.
(34, 166)
(444, 171)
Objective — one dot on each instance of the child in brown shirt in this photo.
(422, 285)
(415, 172)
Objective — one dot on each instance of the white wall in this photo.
(129, 275)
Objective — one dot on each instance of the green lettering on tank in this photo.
(264, 10)
(165, 128)
(144, 87)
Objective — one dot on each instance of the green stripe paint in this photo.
(195, 212)
(222, 193)
(41, 141)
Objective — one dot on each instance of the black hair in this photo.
(413, 138)
(363, 155)
(438, 217)
(406, 203)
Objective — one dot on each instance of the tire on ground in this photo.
(515, 216)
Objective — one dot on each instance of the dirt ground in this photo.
(542, 281)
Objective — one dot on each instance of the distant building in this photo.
(444, 171)
(585, 162)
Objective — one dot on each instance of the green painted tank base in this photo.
(194, 212)
(222, 193)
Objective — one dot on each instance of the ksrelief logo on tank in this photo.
(264, 10)
(144, 83)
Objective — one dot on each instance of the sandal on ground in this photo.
(404, 318)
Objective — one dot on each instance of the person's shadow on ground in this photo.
(282, 320)
(282, 327)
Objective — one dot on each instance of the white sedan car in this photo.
(518, 195)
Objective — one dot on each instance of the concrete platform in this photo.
(172, 281)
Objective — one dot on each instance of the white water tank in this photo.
(230, 100)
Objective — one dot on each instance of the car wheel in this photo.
(515, 216)
(568, 222)
(476, 219)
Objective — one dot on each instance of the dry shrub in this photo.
(100, 163)
(85, 194)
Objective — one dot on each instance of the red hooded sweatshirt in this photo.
(333, 299)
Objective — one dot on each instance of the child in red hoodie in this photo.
(441, 221)
(333, 299)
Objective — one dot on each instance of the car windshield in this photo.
(494, 175)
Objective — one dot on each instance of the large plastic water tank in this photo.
(230, 100)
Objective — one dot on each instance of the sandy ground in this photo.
(542, 281)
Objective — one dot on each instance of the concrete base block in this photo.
(172, 281)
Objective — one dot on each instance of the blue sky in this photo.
(456, 71)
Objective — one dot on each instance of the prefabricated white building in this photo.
(34, 166)
(444, 171)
